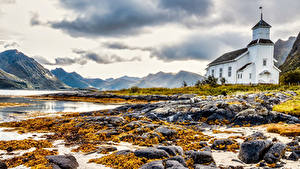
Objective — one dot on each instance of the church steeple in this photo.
(262, 29)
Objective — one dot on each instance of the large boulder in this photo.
(172, 150)
(153, 165)
(276, 152)
(254, 151)
(165, 131)
(180, 159)
(221, 144)
(3, 165)
(63, 161)
(173, 164)
(151, 153)
(201, 157)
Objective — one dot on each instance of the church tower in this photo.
(261, 52)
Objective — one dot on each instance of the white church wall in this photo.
(261, 33)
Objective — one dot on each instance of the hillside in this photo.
(160, 79)
(293, 60)
(282, 49)
(30, 71)
(9, 81)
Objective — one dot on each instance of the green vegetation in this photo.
(291, 77)
(291, 106)
(203, 90)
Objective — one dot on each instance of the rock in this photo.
(132, 125)
(106, 149)
(64, 161)
(151, 153)
(3, 165)
(153, 165)
(166, 131)
(295, 155)
(218, 144)
(276, 152)
(256, 136)
(253, 151)
(180, 159)
(198, 166)
(202, 157)
(172, 150)
(173, 164)
(123, 152)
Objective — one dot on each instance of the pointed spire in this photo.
(261, 12)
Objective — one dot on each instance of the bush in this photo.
(212, 81)
(291, 77)
(134, 89)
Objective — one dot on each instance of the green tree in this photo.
(291, 77)
(223, 80)
(184, 84)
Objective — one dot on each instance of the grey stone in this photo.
(180, 159)
(173, 164)
(172, 150)
(153, 165)
(123, 152)
(295, 155)
(3, 165)
(201, 157)
(166, 131)
(217, 143)
(64, 161)
(199, 166)
(253, 151)
(151, 153)
(276, 152)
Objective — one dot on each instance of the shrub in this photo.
(134, 89)
(291, 77)
(212, 81)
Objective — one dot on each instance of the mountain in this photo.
(71, 79)
(292, 62)
(159, 79)
(9, 81)
(169, 80)
(282, 49)
(29, 70)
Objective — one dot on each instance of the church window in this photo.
(250, 75)
(229, 71)
(221, 72)
(213, 73)
(265, 62)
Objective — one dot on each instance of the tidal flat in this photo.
(178, 131)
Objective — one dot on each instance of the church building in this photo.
(251, 65)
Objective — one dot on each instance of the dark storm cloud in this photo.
(35, 19)
(122, 46)
(200, 48)
(119, 17)
(84, 57)
(103, 58)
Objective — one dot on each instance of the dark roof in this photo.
(262, 24)
(229, 56)
(260, 41)
(244, 67)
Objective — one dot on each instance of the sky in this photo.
(113, 38)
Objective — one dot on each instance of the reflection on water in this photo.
(28, 92)
(7, 114)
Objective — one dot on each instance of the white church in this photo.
(251, 65)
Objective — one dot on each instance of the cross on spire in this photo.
(261, 12)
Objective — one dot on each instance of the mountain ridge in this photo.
(292, 62)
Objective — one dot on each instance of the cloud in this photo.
(6, 44)
(200, 47)
(123, 18)
(103, 58)
(7, 1)
(123, 46)
(84, 57)
(35, 19)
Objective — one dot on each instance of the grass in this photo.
(284, 129)
(204, 90)
(291, 107)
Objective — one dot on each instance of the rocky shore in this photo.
(180, 132)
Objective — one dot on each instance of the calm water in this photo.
(9, 113)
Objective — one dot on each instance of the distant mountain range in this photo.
(19, 70)
(292, 62)
(159, 79)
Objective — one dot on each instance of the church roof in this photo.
(260, 41)
(262, 24)
(228, 56)
(244, 67)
